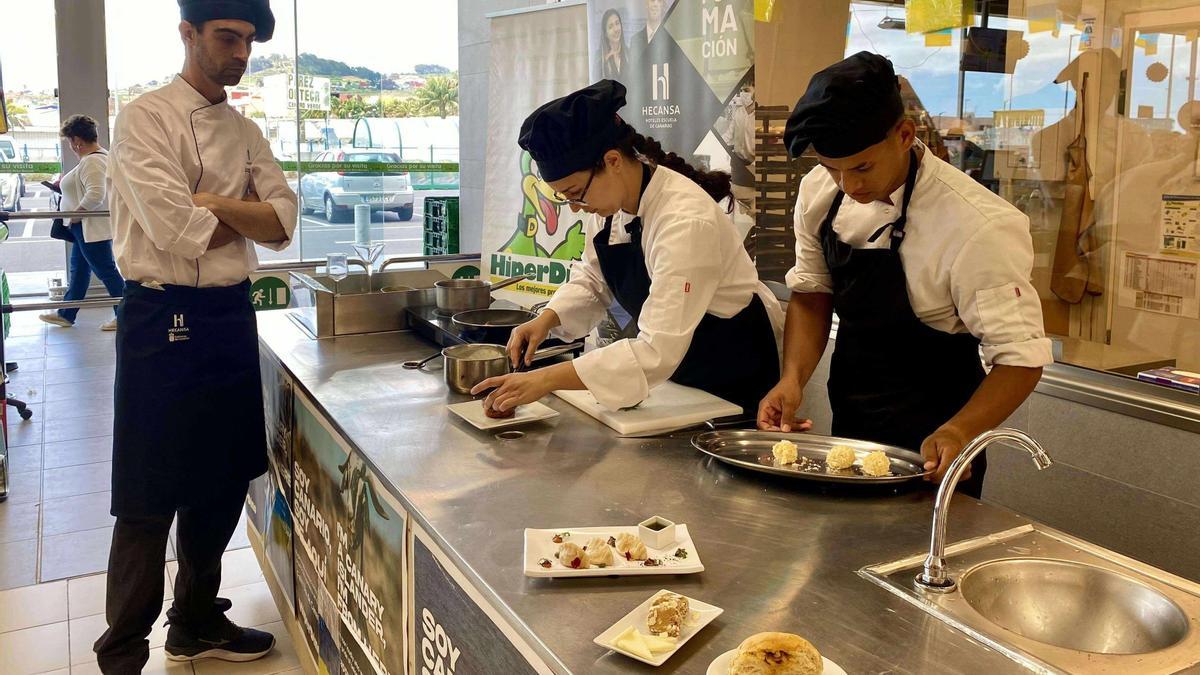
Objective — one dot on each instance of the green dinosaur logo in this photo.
(539, 229)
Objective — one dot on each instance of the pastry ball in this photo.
(570, 555)
(785, 452)
(840, 457)
(776, 654)
(631, 547)
(491, 412)
(877, 464)
(599, 553)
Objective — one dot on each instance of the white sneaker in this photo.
(111, 324)
(54, 318)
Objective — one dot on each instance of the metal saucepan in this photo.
(468, 365)
(461, 295)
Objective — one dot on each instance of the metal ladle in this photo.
(417, 365)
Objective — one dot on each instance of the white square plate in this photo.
(540, 545)
(702, 615)
(472, 411)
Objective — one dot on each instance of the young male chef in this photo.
(922, 265)
(194, 187)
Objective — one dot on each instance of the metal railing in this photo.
(9, 308)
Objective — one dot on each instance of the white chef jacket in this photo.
(168, 145)
(967, 257)
(697, 266)
(84, 189)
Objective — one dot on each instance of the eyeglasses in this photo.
(581, 200)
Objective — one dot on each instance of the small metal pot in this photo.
(461, 295)
(468, 365)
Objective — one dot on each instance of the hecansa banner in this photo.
(688, 67)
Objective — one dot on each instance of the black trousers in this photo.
(136, 564)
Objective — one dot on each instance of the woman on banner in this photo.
(614, 55)
(677, 265)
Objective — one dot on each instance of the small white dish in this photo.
(720, 665)
(657, 532)
(702, 615)
(472, 411)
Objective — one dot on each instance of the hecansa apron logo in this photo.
(178, 332)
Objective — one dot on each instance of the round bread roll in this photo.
(776, 654)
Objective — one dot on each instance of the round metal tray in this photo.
(752, 450)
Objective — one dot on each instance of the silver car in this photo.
(12, 187)
(335, 194)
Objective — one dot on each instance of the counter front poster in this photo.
(350, 536)
(453, 629)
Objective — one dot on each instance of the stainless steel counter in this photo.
(779, 555)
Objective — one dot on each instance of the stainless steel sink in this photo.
(1072, 605)
(358, 304)
(1057, 604)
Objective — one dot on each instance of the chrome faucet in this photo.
(934, 578)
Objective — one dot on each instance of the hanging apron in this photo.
(735, 359)
(1076, 268)
(892, 379)
(189, 409)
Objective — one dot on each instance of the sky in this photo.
(143, 43)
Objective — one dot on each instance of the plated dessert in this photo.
(606, 551)
(658, 627)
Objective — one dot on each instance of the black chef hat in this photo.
(257, 12)
(847, 108)
(572, 133)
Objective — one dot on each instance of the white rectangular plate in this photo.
(702, 615)
(539, 545)
(472, 411)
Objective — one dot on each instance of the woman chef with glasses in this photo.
(662, 246)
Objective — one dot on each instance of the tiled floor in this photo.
(55, 528)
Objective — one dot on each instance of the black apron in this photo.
(892, 379)
(189, 419)
(735, 359)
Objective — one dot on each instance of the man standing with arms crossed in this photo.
(194, 186)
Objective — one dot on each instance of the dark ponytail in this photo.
(718, 184)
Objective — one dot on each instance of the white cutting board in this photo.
(669, 407)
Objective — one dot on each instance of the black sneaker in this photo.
(228, 642)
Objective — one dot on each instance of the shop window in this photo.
(1005, 94)
(381, 93)
(30, 151)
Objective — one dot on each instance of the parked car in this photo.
(12, 188)
(336, 193)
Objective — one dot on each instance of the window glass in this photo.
(1014, 95)
(30, 151)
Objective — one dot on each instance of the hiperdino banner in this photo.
(536, 56)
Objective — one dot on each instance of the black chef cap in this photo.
(847, 108)
(572, 133)
(257, 12)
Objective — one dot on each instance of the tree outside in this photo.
(439, 96)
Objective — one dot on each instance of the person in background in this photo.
(195, 187)
(613, 52)
(922, 265)
(83, 189)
